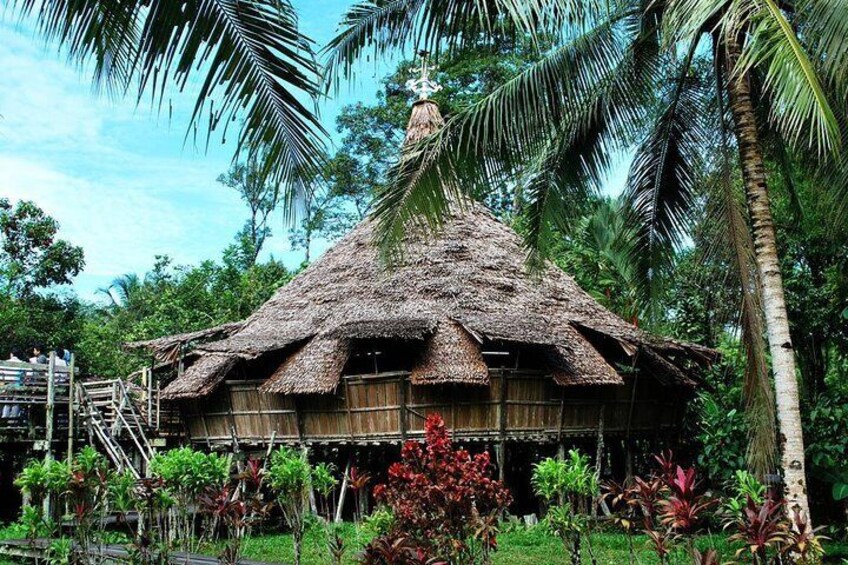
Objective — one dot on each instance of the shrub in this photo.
(187, 474)
(441, 496)
(565, 484)
(290, 478)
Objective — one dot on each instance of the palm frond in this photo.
(253, 65)
(662, 182)
(825, 24)
(730, 240)
(383, 26)
(254, 60)
(800, 107)
(102, 32)
(561, 115)
(433, 25)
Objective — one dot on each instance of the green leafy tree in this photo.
(31, 256)
(261, 197)
(290, 477)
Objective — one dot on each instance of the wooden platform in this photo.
(22, 548)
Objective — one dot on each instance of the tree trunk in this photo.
(791, 440)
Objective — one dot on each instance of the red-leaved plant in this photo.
(438, 494)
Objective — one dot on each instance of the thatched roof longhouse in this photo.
(455, 289)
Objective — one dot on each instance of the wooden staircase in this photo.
(113, 420)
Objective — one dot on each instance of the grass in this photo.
(517, 546)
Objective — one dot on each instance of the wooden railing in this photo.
(35, 404)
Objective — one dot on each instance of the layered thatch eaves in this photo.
(313, 369)
(202, 377)
(451, 355)
(167, 349)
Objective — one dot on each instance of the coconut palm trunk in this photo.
(791, 440)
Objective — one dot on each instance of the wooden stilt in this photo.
(599, 452)
(312, 504)
(343, 493)
(599, 456)
(49, 414)
(500, 457)
(71, 408)
(50, 408)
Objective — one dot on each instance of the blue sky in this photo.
(118, 178)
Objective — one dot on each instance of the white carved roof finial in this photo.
(423, 86)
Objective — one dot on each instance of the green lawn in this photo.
(517, 546)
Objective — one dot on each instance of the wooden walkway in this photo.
(22, 548)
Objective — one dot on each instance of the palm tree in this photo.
(625, 73)
(248, 57)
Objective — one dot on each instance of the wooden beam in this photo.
(50, 407)
(297, 420)
(49, 413)
(501, 451)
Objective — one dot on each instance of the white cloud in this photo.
(120, 185)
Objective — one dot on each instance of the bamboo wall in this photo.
(518, 405)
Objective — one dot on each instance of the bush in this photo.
(186, 474)
(444, 498)
(289, 476)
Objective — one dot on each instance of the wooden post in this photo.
(312, 505)
(347, 408)
(298, 421)
(72, 393)
(51, 403)
(599, 454)
(403, 424)
(501, 451)
(345, 478)
(49, 412)
(628, 460)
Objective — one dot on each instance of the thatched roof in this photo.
(167, 348)
(313, 369)
(466, 284)
(202, 377)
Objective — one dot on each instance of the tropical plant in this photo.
(624, 507)
(238, 513)
(153, 503)
(440, 495)
(187, 474)
(396, 549)
(684, 509)
(324, 483)
(289, 476)
(87, 496)
(358, 482)
(565, 484)
(380, 522)
(762, 530)
(248, 58)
